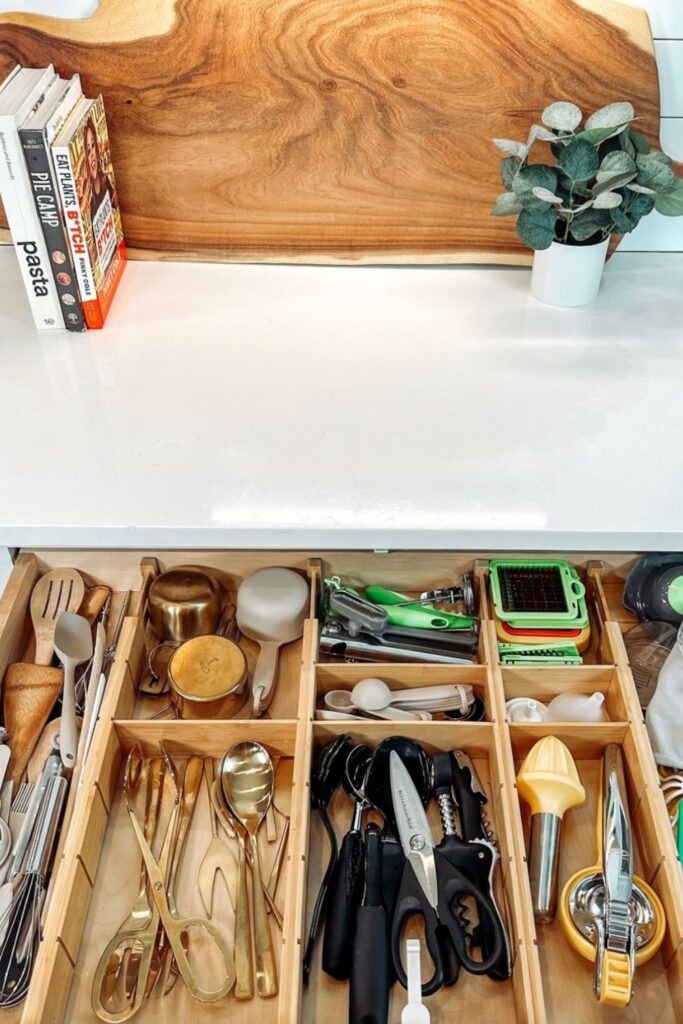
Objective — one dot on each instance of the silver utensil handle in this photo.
(617, 848)
(51, 768)
(42, 845)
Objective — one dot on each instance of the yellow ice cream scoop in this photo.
(608, 914)
(549, 783)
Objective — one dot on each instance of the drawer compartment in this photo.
(325, 998)
(656, 985)
(229, 569)
(17, 645)
(105, 878)
(334, 676)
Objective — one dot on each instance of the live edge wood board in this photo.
(333, 130)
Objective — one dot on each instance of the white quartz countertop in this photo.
(311, 407)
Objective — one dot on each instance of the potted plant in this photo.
(605, 179)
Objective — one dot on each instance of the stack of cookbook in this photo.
(58, 191)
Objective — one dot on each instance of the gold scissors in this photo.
(174, 926)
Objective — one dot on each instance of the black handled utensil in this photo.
(346, 888)
(371, 975)
(325, 778)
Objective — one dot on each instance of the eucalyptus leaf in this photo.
(545, 195)
(639, 141)
(579, 161)
(640, 205)
(562, 116)
(607, 201)
(609, 184)
(627, 143)
(588, 224)
(509, 167)
(659, 157)
(623, 222)
(656, 175)
(671, 205)
(537, 131)
(531, 176)
(574, 210)
(614, 115)
(635, 187)
(506, 204)
(617, 162)
(597, 135)
(536, 228)
(511, 147)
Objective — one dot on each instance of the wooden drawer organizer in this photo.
(96, 879)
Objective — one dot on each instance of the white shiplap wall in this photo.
(655, 233)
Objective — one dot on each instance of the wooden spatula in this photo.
(30, 693)
(58, 591)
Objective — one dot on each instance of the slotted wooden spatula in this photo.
(58, 591)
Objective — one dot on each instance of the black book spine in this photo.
(41, 174)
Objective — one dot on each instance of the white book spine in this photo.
(73, 220)
(27, 233)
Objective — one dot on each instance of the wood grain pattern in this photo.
(333, 130)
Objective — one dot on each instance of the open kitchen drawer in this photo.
(96, 879)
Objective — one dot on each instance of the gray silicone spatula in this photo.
(73, 644)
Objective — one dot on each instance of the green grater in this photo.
(552, 654)
(538, 594)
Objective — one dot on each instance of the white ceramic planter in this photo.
(568, 275)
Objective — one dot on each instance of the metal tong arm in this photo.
(616, 848)
(176, 927)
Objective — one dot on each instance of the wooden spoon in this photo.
(61, 590)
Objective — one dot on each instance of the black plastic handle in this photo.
(412, 902)
(371, 974)
(322, 897)
(344, 899)
(454, 886)
(371, 971)
(476, 861)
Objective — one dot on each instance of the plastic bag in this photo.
(664, 720)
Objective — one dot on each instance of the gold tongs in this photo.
(174, 926)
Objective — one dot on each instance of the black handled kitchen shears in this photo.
(433, 889)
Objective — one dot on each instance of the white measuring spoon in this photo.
(373, 694)
(73, 644)
(340, 700)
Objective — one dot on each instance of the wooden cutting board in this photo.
(333, 130)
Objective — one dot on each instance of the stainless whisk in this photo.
(20, 923)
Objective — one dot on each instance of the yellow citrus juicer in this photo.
(609, 915)
(549, 783)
